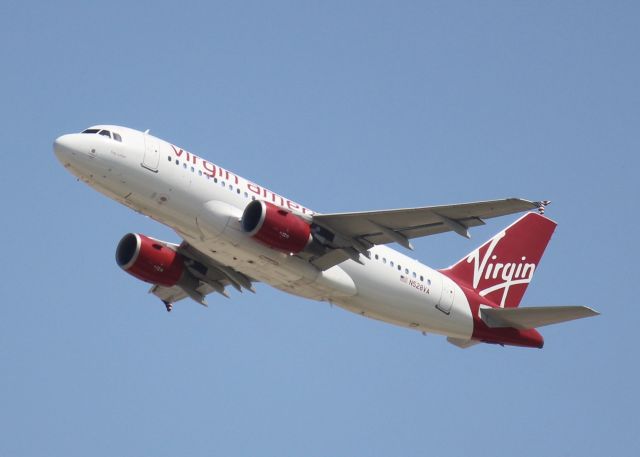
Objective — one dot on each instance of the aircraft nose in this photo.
(64, 147)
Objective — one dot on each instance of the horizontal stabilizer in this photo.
(533, 317)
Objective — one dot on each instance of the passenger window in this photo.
(105, 133)
(177, 162)
(184, 165)
(223, 184)
(421, 278)
(169, 158)
(192, 169)
(246, 195)
(399, 268)
(391, 263)
(238, 191)
(376, 256)
(384, 260)
(230, 187)
(406, 270)
(414, 274)
(117, 137)
(199, 172)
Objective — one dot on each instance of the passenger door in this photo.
(151, 157)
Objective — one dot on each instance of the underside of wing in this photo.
(203, 275)
(171, 295)
(352, 234)
(168, 294)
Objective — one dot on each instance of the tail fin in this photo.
(501, 269)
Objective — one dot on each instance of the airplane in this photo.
(236, 232)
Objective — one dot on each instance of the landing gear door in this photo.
(446, 299)
(151, 157)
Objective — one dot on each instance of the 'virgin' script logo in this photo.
(487, 269)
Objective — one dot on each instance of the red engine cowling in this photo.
(149, 260)
(276, 227)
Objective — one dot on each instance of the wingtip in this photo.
(541, 205)
(592, 311)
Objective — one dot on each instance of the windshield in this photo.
(103, 132)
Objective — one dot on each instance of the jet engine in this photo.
(276, 227)
(149, 260)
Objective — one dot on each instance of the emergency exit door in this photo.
(446, 298)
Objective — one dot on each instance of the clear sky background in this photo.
(343, 106)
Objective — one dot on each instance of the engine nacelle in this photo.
(149, 260)
(276, 227)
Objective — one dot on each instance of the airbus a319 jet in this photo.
(236, 232)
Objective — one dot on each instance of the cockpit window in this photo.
(107, 133)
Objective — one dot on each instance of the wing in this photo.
(203, 276)
(347, 235)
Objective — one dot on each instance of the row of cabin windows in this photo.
(406, 270)
(224, 184)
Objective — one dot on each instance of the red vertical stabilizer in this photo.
(500, 270)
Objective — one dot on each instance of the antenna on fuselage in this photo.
(146, 131)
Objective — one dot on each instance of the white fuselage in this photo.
(203, 203)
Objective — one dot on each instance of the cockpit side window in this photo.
(117, 137)
(105, 133)
(91, 131)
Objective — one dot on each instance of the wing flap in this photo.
(168, 294)
(177, 293)
(417, 231)
(331, 258)
(533, 317)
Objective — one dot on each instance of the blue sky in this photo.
(342, 106)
